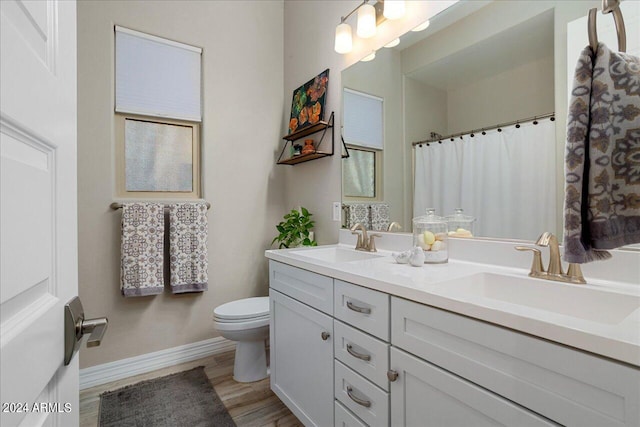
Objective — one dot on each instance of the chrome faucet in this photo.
(365, 241)
(554, 269)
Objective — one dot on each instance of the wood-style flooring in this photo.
(249, 404)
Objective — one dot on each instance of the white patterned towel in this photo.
(142, 249)
(188, 231)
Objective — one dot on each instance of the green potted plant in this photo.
(295, 230)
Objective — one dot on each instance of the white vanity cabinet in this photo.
(347, 355)
(468, 358)
(301, 339)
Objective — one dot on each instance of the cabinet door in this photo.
(425, 395)
(302, 359)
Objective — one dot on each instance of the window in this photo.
(158, 110)
(157, 157)
(363, 134)
(359, 174)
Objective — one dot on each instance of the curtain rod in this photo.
(516, 122)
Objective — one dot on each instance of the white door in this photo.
(37, 210)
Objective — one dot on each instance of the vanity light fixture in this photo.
(393, 9)
(366, 21)
(393, 43)
(369, 57)
(422, 26)
(369, 16)
(344, 40)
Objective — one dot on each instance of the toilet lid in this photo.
(247, 308)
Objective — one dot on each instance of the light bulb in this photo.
(422, 26)
(366, 21)
(393, 9)
(393, 43)
(344, 41)
(369, 57)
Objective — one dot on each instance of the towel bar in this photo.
(117, 205)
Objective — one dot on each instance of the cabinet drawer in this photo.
(425, 395)
(568, 386)
(363, 353)
(345, 418)
(363, 398)
(307, 287)
(363, 308)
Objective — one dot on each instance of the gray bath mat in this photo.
(183, 399)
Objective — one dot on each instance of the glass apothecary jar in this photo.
(430, 233)
(460, 225)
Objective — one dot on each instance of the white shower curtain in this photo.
(507, 180)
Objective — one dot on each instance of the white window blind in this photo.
(157, 77)
(363, 119)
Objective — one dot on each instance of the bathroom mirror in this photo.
(479, 64)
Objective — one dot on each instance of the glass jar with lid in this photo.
(430, 233)
(460, 225)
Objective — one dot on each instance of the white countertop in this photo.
(427, 285)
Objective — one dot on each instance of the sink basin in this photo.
(335, 254)
(570, 300)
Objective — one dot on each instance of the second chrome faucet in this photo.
(554, 269)
(365, 241)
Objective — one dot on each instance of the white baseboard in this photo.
(112, 371)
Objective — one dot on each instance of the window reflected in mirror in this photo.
(359, 173)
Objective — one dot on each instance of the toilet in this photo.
(246, 322)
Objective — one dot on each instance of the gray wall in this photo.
(242, 110)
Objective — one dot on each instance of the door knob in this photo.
(325, 336)
(76, 326)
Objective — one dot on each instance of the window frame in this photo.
(120, 164)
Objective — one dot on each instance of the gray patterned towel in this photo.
(602, 156)
(188, 231)
(358, 213)
(142, 249)
(380, 216)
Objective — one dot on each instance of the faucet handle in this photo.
(574, 273)
(372, 242)
(536, 266)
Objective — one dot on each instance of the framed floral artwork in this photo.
(307, 106)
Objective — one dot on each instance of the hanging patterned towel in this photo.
(602, 156)
(142, 249)
(188, 231)
(380, 216)
(358, 213)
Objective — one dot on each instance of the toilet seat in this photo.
(244, 310)
(241, 325)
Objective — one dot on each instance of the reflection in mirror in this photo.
(479, 65)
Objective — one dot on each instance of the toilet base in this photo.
(250, 362)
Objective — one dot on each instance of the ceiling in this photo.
(521, 44)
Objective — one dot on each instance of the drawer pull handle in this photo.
(325, 336)
(363, 310)
(392, 375)
(357, 355)
(365, 403)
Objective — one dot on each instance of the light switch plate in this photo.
(337, 211)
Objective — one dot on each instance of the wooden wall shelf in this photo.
(321, 126)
